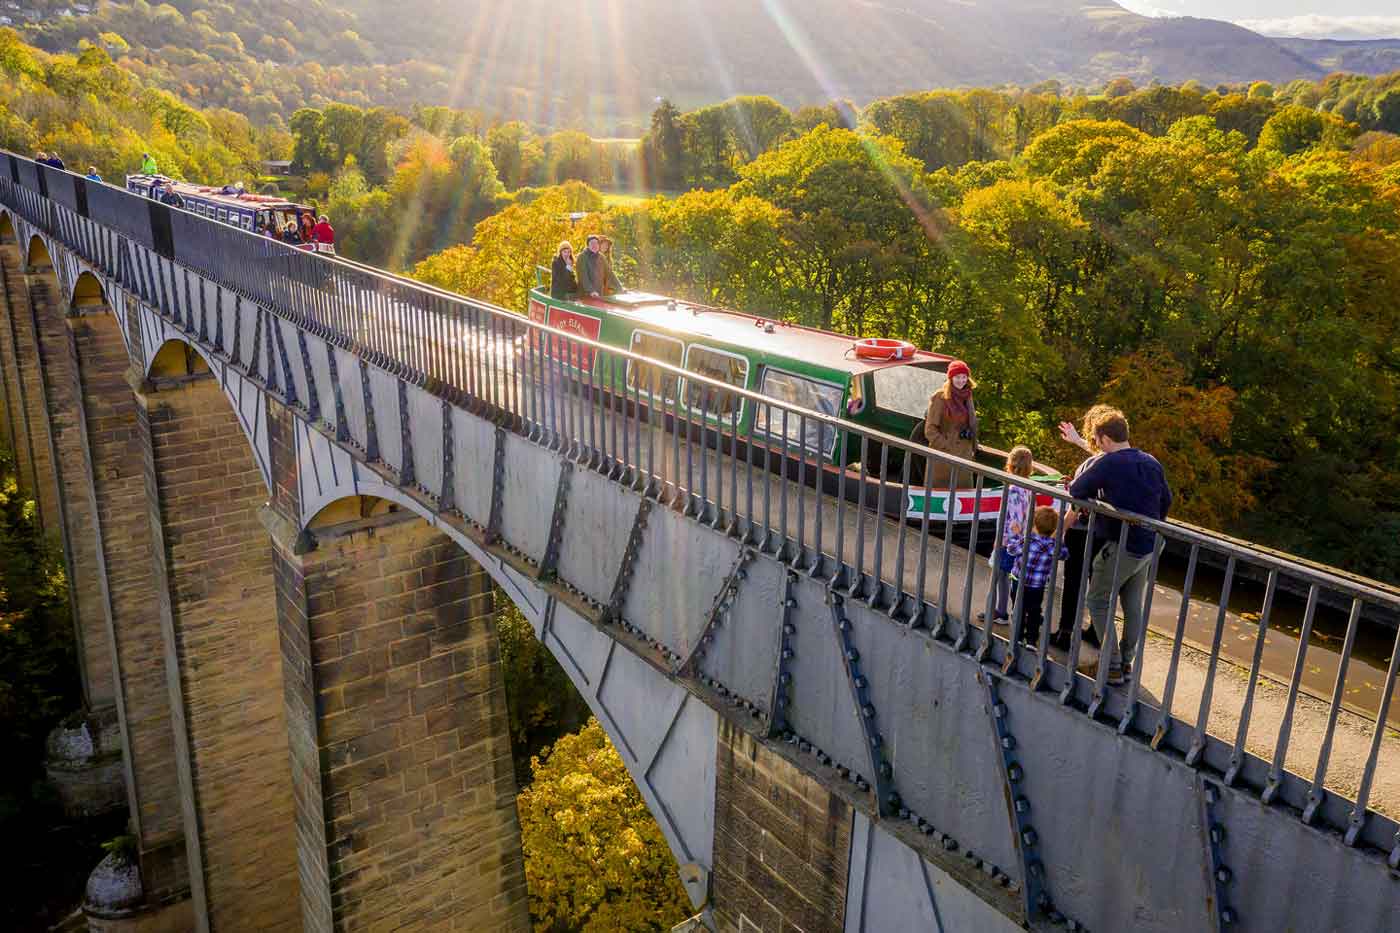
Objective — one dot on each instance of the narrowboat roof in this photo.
(735, 328)
(247, 200)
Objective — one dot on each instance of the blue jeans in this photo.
(1132, 589)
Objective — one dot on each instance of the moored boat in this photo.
(874, 384)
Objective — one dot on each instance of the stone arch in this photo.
(38, 255)
(394, 695)
(164, 356)
(7, 227)
(652, 721)
(88, 292)
(218, 608)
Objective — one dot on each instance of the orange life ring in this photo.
(884, 349)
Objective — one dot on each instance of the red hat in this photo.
(958, 366)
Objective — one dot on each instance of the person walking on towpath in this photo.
(1133, 481)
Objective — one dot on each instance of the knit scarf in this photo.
(957, 403)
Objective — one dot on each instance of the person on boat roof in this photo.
(148, 164)
(950, 424)
(611, 284)
(562, 281)
(590, 269)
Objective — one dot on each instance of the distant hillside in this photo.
(1361, 56)
(602, 66)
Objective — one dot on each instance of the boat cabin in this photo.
(878, 384)
(252, 212)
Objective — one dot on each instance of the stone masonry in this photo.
(220, 631)
(400, 740)
(61, 393)
(781, 843)
(45, 484)
(12, 279)
(116, 455)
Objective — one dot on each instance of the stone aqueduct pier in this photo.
(285, 494)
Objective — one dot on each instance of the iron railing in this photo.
(498, 363)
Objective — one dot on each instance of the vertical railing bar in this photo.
(783, 491)
(1318, 793)
(902, 537)
(676, 445)
(800, 558)
(1198, 742)
(1357, 820)
(734, 420)
(703, 508)
(973, 532)
(857, 583)
(877, 520)
(1135, 677)
(1246, 711)
(1077, 632)
(843, 444)
(921, 587)
(1108, 638)
(1285, 729)
(950, 505)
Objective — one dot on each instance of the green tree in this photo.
(516, 153)
(308, 150)
(662, 149)
(1294, 129)
(855, 207)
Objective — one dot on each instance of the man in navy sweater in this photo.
(1132, 481)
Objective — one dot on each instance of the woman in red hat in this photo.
(950, 425)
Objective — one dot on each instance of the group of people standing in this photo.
(1027, 547)
(308, 230)
(589, 276)
(52, 160)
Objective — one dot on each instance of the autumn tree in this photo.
(595, 859)
(499, 263)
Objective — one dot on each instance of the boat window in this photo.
(223, 214)
(799, 392)
(716, 364)
(906, 389)
(654, 378)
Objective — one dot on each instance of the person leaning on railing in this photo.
(1133, 481)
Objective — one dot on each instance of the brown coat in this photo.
(942, 431)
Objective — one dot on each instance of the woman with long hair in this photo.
(563, 282)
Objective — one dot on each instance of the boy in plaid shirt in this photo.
(1033, 570)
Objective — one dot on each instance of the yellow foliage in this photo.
(595, 860)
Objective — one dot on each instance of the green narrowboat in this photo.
(881, 385)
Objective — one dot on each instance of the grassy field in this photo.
(623, 198)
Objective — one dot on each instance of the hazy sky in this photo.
(1314, 19)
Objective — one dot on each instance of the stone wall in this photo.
(204, 492)
(400, 738)
(781, 843)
